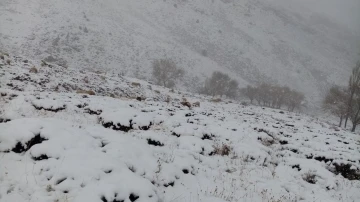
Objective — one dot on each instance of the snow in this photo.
(251, 40)
(164, 151)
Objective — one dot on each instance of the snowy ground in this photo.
(59, 145)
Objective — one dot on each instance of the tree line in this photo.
(166, 73)
(344, 101)
(274, 96)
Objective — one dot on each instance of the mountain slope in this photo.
(254, 41)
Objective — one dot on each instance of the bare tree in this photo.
(220, 84)
(249, 92)
(232, 89)
(336, 101)
(165, 72)
(274, 96)
(294, 100)
(354, 84)
(355, 112)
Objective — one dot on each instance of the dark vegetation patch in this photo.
(59, 181)
(51, 109)
(124, 128)
(175, 134)
(4, 120)
(297, 166)
(103, 199)
(82, 105)
(132, 169)
(146, 127)
(169, 184)
(310, 178)
(154, 142)
(133, 197)
(40, 158)
(207, 137)
(265, 131)
(92, 112)
(322, 158)
(118, 126)
(294, 150)
(103, 144)
(346, 171)
(19, 147)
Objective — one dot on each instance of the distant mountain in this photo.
(252, 40)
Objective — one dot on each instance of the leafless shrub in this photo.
(43, 63)
(267, 142)
(49, 188)
(223, 149)
(310, 177)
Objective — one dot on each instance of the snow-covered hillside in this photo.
(253, 40)
(133, 141)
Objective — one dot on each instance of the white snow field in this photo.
(133, 141)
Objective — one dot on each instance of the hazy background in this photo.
(345, 12)
(305, 44)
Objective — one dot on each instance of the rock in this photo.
(135, 84)
(188, 104)
(196, 104)
(216, 100)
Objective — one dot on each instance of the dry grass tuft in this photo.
(216, 100)
(33, 70)
(223, 150)
(88, 92)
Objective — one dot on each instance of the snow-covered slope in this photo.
(253, 40)
(59, 145)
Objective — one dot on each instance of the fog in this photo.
(345, 12)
